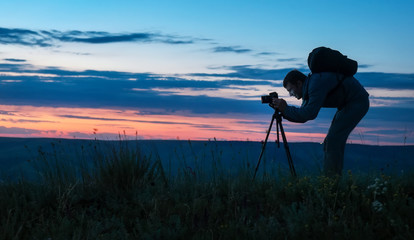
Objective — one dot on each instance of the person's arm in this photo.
(301, 114)
(318, 88)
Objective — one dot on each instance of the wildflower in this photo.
(377, 206)
(379, 188)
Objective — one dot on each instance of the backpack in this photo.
(323, 59)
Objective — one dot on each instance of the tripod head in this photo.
(277, 111)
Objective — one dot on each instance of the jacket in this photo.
(326, 89)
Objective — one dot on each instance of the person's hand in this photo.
(280, 104)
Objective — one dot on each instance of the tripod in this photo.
(278, 117)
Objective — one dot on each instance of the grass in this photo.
(119, 193)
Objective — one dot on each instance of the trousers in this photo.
(344, 121)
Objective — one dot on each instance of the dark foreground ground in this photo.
(201, 190)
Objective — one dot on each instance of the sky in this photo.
(195, 69)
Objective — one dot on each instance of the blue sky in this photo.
(199, 66)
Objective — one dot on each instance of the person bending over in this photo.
(326, 89)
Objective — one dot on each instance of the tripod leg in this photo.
(277, 132)
(264, 146)
(285, 143)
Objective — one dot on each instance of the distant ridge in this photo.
(17, 154)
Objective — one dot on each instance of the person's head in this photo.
(293, 83)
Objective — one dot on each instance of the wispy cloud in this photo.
(362, 66)
(45, 38)
(6, 113)
(204, 126)
(231, 49)
(116, 89)
(56, 38)
(267, 54)
(14, 60)
(25, 121)
(386, 80)
(23, 37)
(250, 72)
(288, 59)
(91, 118)
(391, 93)
(237, 90)
(18, 131)
(117, 119)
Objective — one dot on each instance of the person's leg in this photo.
(342, 125)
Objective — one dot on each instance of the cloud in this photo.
(386, 80)
(364, 66)
(391, 114)
(45, 38)
(117, 119)
(25, 121)
(23, 37)
(55, 38)
(251, 72)
(203, 126)
(14, 60)
(391, 93)
(100, 37)
(288, 59)
(233, 49)
(112, 89)
(14, 130)
(91, 118)
(235, 92)
(388, 131)
(267, 54)
(6, 113)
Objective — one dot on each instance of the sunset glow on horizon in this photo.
(110, 124)
(195, 70)
(89, 123)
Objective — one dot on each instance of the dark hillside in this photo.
(18, 154)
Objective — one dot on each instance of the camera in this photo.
(268, 98)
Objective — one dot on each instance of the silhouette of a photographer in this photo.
(322, 90)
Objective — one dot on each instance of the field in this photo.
(120, 192)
